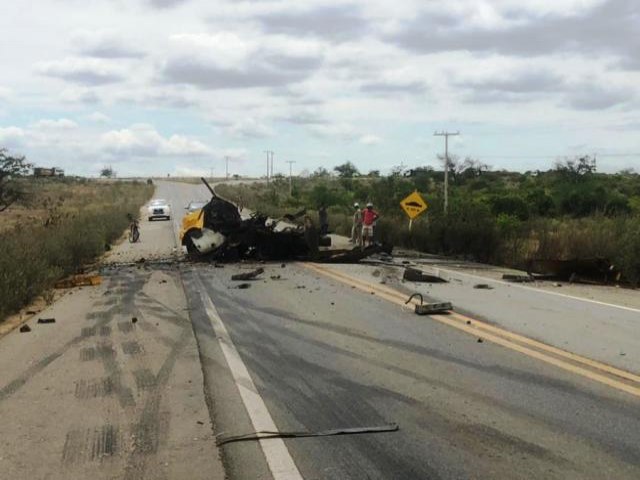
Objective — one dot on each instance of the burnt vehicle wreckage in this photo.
(218, 232)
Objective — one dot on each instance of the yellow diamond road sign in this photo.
(414, 205)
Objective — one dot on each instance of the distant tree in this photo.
(398, 170)
(320, 172)
(10, 168)
(374, 173)
(346, 170)
(107, 172)
(576, 169)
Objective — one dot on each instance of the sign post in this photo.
(414, 206)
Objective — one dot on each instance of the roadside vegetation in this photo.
(56, 227)
(498, 217)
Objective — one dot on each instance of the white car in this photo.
(159, 208)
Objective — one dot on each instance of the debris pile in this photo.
(218, 232)
(415, 275)
(584, 270)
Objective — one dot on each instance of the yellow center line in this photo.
(498, 336)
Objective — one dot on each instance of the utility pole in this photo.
(271, 164)
(446, 136)
(290, 162)
(227, 163)
(269, 160)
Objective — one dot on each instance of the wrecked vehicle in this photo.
(218, 231)
(587, 270)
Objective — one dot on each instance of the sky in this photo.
(172, 87)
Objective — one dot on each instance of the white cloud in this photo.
(250, 128)
(370, 139)
(144, 141)
(104, 44)
(60, 124)
(226, 60)
(85, 71)
(12, 136)
(98, 117)
(5, 93)
(318, 72)
(340, 131)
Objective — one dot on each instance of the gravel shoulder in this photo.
(113, 388)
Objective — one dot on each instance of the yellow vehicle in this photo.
(216, 230)
(193, 234)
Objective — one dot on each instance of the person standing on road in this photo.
(356, 229)
(323, 217)
(369, 217)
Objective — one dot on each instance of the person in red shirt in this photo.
(369, 217)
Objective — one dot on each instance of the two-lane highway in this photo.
(308, 351)
(324, 356)
(311, 348)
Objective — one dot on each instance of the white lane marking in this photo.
(275, 451)
(533, 289)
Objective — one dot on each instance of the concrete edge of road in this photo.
(593, 370)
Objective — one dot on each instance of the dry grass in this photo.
(66, 224)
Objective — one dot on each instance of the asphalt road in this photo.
(311, 349)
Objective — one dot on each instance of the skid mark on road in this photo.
(89, 445)
(94, 388)
(132, 348)
(145, 379)
(126, 327)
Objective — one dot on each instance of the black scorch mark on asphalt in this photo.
(145, 379)
(126, 327)
(88, 332)
(99, 351)
(93, 388)
(132, 348)
(90, 445)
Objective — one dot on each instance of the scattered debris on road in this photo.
(264, 434)
(416, 275)
(509, 277)
(275, 277)
(252, 275)
(25, 329)
(79, 281)
(46, 320)
(480, 340)
(243, 286)
(579, 270)
(218, 232)
(428, 308)
(134, 319)
(482, 286)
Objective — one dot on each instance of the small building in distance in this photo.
(48, 172)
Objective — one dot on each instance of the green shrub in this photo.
(34, 256)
